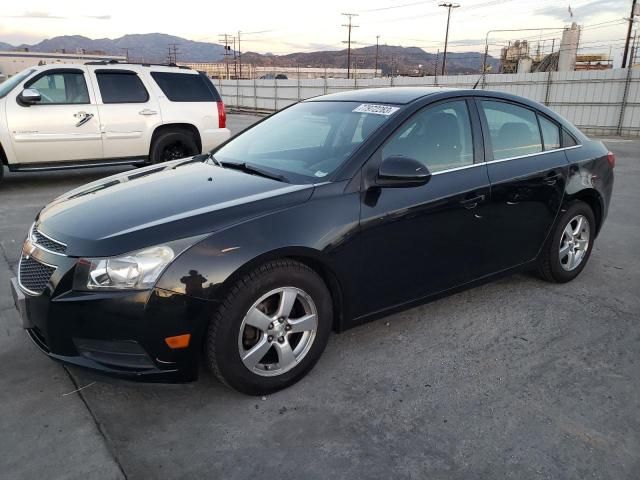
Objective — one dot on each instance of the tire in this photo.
(172, 145)
(1, 171)
(558, 266)
(255, 299)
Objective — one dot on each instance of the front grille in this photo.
(46, 242)
(33, 276)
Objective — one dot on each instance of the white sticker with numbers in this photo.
(376, 109)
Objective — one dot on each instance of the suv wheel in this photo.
(173, 146)
(271, 329)
(568, 248)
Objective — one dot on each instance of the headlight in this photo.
(137, 270)
(133, 271)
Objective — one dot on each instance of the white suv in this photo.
(105, 113)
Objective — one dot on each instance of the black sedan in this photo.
(328, 214)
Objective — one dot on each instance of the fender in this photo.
(322, 234)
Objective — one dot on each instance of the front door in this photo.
(528, 173)
(429, 238)
(63, 126)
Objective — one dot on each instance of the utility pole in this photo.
(225, 38)
(375, 69)
(235, 60)
(348, 41)
(126, 53)
(448, 6)
(634, 12)
(239, 54)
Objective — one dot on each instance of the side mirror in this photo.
(29, 96)
(400, 171)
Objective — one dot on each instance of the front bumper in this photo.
(116, 333)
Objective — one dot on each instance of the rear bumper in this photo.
(118, 333)
(214, 137)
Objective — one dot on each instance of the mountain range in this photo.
(154, 47)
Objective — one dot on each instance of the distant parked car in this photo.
(328, 214)
(271, 76)
(106, 113)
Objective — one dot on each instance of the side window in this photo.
(513, 130)
(121, 87)
(438, 136)
(550, 133)
(186, 87)
(567, 139)
(61, 88)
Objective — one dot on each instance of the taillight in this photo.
(222, 116)
(611, 158)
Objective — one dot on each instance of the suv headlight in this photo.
(137, 270)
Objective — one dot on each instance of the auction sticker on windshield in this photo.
(376, 109)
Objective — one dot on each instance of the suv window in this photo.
(186, 87)
(61, 87)
(121, 86)
(513, 130)
(438, 136)
(550, 133)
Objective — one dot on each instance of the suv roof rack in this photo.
(144, 64)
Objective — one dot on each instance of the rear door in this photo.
(528, 173)
(128, 112)
(63, 126)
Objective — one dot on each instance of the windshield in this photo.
(7, 85)
(309, 140)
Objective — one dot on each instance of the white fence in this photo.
(598, 102)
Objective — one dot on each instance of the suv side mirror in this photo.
(401, 171)
(29, 96)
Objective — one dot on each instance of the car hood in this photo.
(160, 203)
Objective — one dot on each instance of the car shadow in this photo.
(58, 178)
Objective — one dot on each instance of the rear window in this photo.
(121, 87)
(185, 87)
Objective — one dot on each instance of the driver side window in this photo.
(438, 136)
(61, 88)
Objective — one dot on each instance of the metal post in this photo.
(623, 105)
(548, 92)
(237, 92)
(298, 82)
(255, 93)
(275, 94)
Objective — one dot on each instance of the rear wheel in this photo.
(568, 248)
(271, 329)
(173, 145)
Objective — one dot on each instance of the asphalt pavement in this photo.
(514, 379)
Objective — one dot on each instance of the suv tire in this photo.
(281, 299)
(173, 145)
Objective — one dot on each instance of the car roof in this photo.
(137, 67)
(397, 95)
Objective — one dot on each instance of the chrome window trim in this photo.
(504, 160)
(33, 240)
(25, 289)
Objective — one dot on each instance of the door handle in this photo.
(470, 203)
(83, 117)
(147, 111)
(552, 178)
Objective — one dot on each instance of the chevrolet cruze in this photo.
(330, 213)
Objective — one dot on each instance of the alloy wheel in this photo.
(574, 242)
(278, 331)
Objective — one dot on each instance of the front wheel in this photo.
(271, 329)
(569, 246)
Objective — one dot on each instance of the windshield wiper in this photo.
(200, 158)
(252, 169)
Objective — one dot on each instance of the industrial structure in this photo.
(519, 57)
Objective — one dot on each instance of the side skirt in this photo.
(51, 166)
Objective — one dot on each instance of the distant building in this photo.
(12, 62)
(232, 71)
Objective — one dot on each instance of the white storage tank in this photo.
(569, 48)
